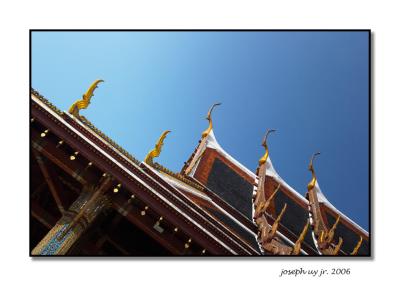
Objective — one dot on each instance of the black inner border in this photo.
(216, 30)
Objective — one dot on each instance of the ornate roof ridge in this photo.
(177, 176)
(46, 101)
(88, 124)
(189, 160)
(322, 199)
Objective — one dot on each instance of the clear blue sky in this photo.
(310, 86)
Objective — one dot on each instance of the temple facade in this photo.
(89, 196)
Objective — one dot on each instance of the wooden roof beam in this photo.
(167, 240)
(62, 160)
(44, 217)
(53, 184)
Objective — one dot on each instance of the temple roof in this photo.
(213, 186)
(224, 218)
(156, 194)
(212, 143)
(323, 200)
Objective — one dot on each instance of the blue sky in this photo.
(310, 86)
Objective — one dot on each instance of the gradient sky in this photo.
(310, 86)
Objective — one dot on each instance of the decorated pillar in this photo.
(80, 215)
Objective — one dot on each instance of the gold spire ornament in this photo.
(85, 101)
(157, 149)
(264, 158)
(313, 181)
(208, 130)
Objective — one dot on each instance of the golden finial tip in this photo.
(313, 181)
(310, 166)
(211, 109)
(264, 158)
(97, 81)
(208, 130)
(264, 142)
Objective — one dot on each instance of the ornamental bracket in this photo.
(357, 247)
(297, 245)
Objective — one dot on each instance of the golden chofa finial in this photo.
(264, 158)
(208, 130)
(157, 149)
(311, 185)
(85, 101)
